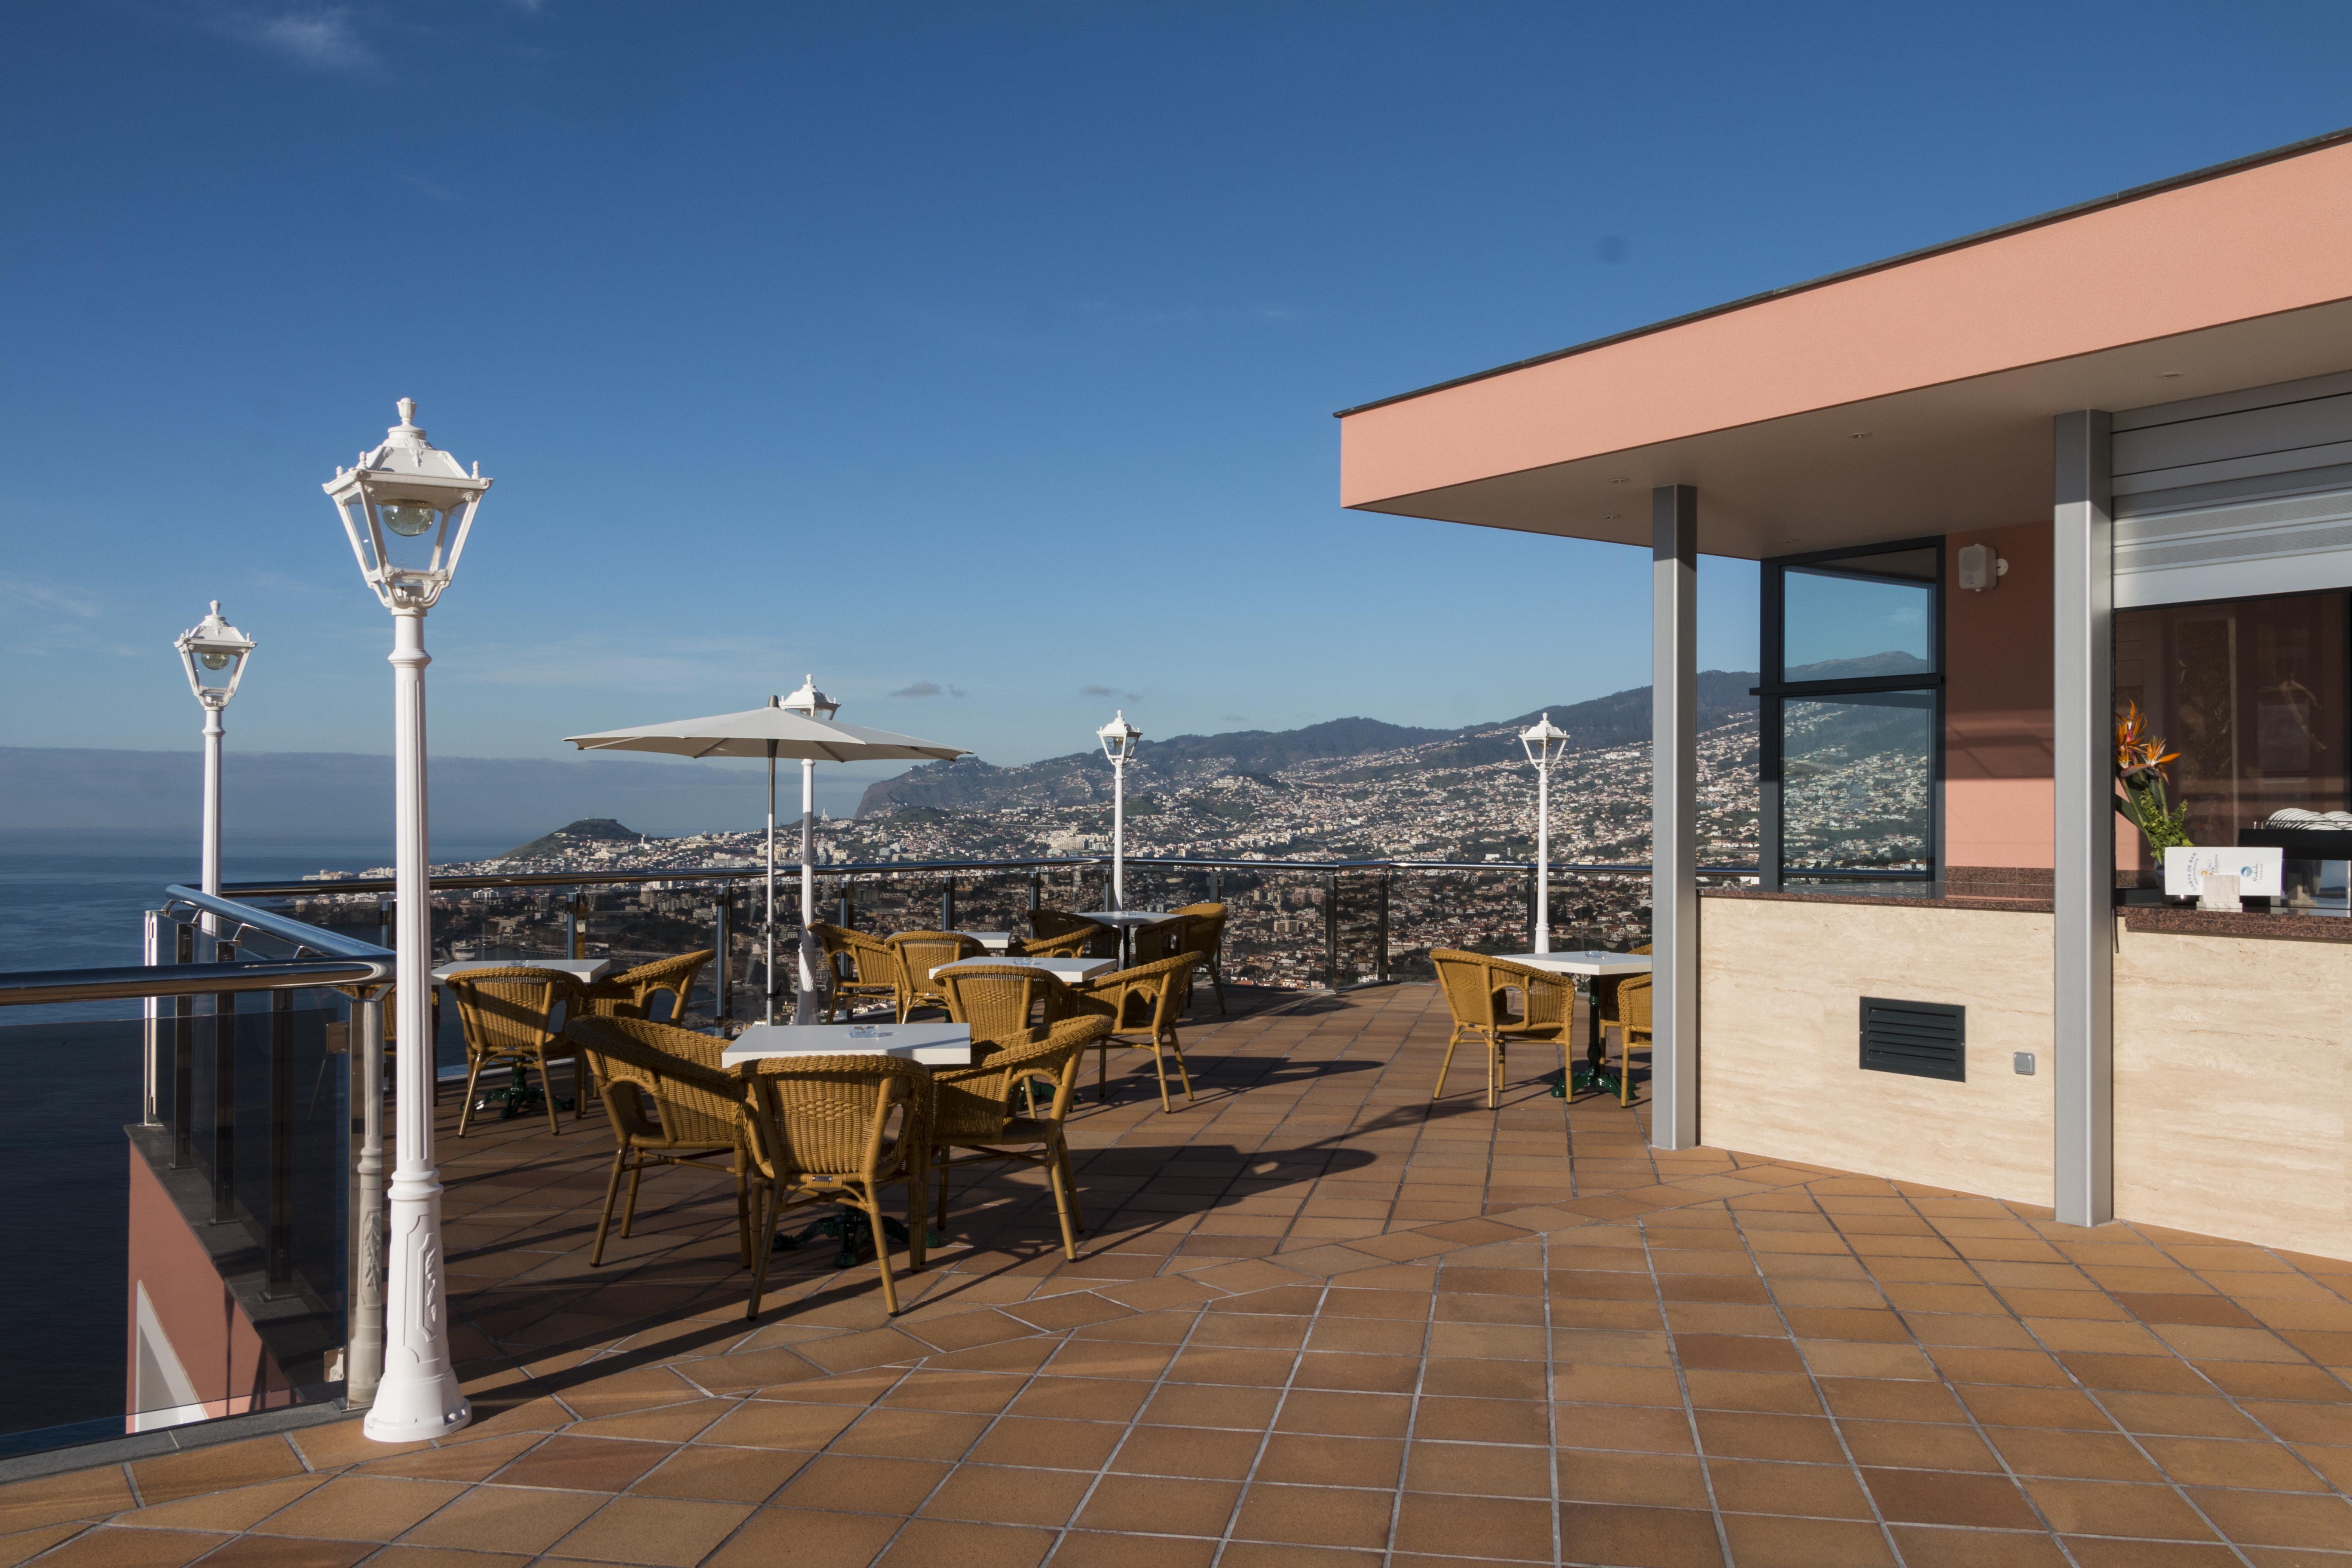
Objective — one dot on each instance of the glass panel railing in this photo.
(193, 1266)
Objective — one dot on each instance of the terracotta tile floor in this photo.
(1319, 1323)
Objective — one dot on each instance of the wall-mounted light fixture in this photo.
(1981, 568)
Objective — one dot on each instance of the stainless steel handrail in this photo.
(476, 882)
(301, 934)
(27, 987)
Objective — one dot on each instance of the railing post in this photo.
(363, 1358)
(722, 988)
(1217, 885)
(847, 906)
(152, 1008)
(1036, 889)
(946, 906)
(224, 1095)
(1535, 902)
(579, 902)
(184, 1059)
(1383, 952)
(279, 1254)
(1331, 930)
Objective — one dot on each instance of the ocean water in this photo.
(74, 901)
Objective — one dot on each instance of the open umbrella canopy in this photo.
(771, 731)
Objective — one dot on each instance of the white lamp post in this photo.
(214, 653)
(1545, 743)
(1118, 738)
(811, 704)
(408, 507)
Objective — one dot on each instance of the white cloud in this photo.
(41, 594)
(930, 689)
(1109, 691)
(321, 40)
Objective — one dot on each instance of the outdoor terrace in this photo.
(1316, 1310)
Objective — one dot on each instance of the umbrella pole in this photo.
(770, 1016)
(808, 845)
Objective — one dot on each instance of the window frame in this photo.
(1772, 692)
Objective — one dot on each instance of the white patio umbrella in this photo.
(771, 731)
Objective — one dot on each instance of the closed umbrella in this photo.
(771, 731)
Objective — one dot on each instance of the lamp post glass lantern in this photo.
(811, 704)
(214, 653)
(1118, 738)
(1546, 743)
(406, 508)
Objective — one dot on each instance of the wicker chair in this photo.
(1477, 992)
(670, 1103)
(1000, 1000)
(1633, 1026)
(631, 993)
(864, 970)
(1604, 994)
(974, 1113)
(820, 1131)
(920, 951)
(1547, 1012)
(1157, 992)
(1102, 941)
(1161, 939)
(1207, 938)
(1069, 944)
(508, 1016)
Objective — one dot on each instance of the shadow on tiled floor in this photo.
(1316, 1310)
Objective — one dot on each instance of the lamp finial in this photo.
(407, 407)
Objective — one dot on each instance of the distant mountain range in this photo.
(1622, 718)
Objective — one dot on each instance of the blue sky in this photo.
(988, 349)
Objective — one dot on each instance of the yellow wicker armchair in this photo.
(1604, 993)
(1143, 1000)
(865, 969)
(1547, 1012)
(973, 1111)
(670, 1102)
(920, 951)
(631, 993)
(1001, 1000)
(1102, 941)
(1207, 938)
(508, 1015)
(1069, 944)
(1631, 1026)
(1477, 990)
(837, 1130)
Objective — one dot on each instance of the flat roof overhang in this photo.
(1912, 396)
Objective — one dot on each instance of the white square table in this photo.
(926, 1045)
(585, 970)
(1587, 962)
(1068, 971)
(994, 941)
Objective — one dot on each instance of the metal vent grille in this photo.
(1925, 1039)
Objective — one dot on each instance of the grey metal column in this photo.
(2083, 616)
(1673, 816)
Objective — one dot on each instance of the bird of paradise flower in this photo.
(2139, 768)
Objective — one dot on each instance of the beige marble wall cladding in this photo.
(2230, 1087)
(1781, 991)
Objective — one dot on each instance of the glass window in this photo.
(1857, 782)
(1850, 744)
(2251, 692)
(1860, 616)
